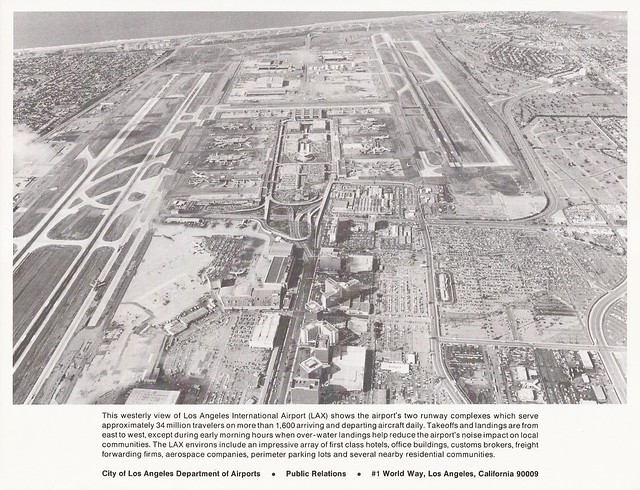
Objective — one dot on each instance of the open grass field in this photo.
(144, 131)
(34, 280)
(108, 199)
(120, 224)
(128, 159)
(152, 171)
(77, 226)
(102, 139)
(114, 182)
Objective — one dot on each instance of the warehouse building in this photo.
(265, 331)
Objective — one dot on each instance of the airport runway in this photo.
(28, 339)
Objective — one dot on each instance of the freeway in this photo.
(295, 227)
(271, 231)
(284, 365)
(295, 203)
(595, 322)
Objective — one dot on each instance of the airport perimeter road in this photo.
(531, 159)
(595, 321)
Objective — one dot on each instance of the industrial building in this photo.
(270, 82)
(585, 358)
(329, 57)
(348, 368)
(273, 64)
(601, 396)
(258, 91)
(194, 316)
(265, 331)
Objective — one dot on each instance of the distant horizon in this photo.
(51, 29)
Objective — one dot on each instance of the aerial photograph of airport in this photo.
(411, 209)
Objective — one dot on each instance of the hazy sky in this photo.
(39, 29)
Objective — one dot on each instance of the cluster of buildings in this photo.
(267, 290)
(398, 235)
(269, 85)
(49, 88)
(336, 292)
(333, 60)
(531, 60)
(361, 201)
(324, 365)
(373, 201)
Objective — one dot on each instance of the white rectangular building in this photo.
(264, 333)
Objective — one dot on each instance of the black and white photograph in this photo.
(395, 229)
(413, 209)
